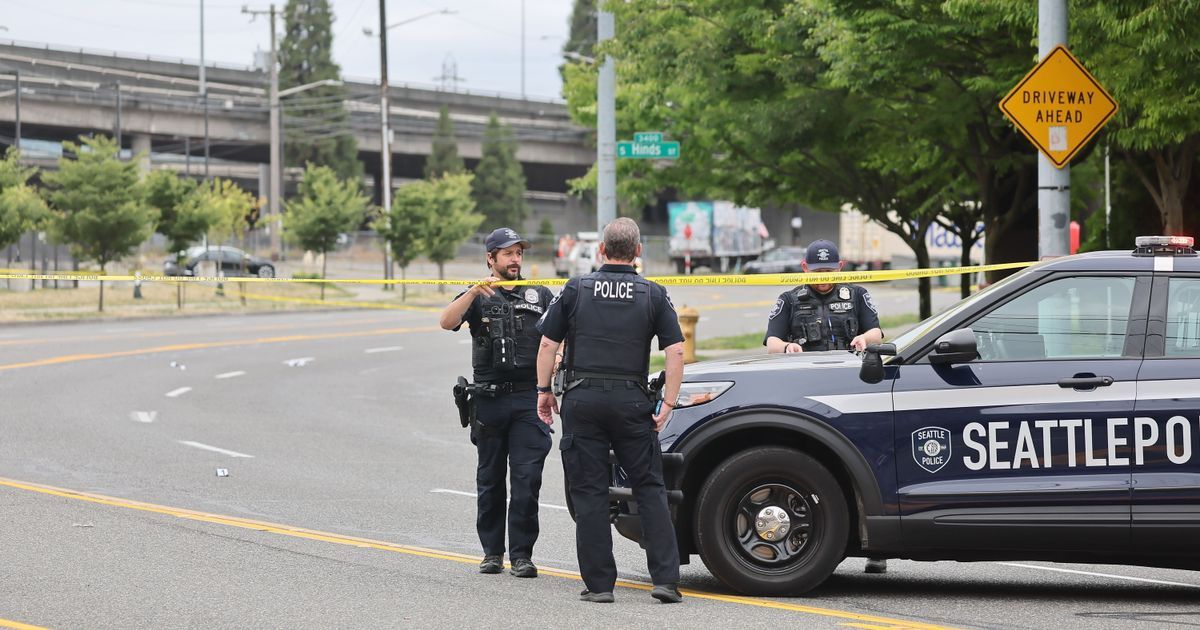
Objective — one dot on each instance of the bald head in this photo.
(621, 240)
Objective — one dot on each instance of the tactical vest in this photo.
(611, 328)
(504, 348)
(823, 322)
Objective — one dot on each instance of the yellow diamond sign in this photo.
(1059, 106)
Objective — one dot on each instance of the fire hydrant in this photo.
(687, 322)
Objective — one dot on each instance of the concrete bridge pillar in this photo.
(141, 144)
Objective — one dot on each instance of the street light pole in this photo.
(204, 96)
(606, 128)
(385, 147)
(1054, 184)
(385, 144)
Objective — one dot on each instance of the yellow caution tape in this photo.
(768, 279)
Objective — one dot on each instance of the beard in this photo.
(512, 272)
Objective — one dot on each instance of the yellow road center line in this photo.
(8, 623)
(367, 543)
(73, 358)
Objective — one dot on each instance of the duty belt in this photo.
(576, 378)
(494, 389)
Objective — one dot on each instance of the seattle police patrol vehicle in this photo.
(1052, 416)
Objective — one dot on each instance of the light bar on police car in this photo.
(1164, 241)
(692, 394)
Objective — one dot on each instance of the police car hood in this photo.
(764, 363)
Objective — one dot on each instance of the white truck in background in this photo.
(714, 234)
(866, 244)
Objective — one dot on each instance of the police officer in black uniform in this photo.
(816, 317)
(608, 319)
(506, 429)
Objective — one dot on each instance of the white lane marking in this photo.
(383, 349)
(1093, 574)
(230, 374)
(213, 449)
(144, 416)
(463, 342)
(175, 393)
(472, 494)
(9, 336)
(301, 362)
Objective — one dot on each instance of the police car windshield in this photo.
(918, 331)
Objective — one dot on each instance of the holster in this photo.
(655, 387)
(465, 402)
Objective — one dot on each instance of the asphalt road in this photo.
(348, 500)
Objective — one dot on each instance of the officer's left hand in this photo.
(859, 343)
(660, 420)
(547, 406)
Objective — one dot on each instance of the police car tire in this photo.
(717, 504)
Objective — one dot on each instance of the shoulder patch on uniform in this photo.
(531, 295)
(667, 297)
(843, 293)
(775, 310)
(866, 296)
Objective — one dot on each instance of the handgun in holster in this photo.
(463, 400)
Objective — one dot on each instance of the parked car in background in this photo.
(230, 261)
(778, 260)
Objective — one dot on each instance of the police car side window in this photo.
(1069, 318)
(1183, 317)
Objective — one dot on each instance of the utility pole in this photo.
(275, 180)
(385, 147)
(17, 140)
(204, 95)
(522, 48)
(606, 128)
(1054, 184)
(117, 133)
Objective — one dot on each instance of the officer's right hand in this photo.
(484, 287)
(661, 418)
(793, 347)
(547, 406)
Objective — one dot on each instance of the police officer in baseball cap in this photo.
(827, 316)
(506, 430)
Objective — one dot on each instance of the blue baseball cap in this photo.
(821, 255)
(504, 237)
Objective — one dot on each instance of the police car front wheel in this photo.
(771, 521)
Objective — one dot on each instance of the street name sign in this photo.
(648, 145)
(1059, 106)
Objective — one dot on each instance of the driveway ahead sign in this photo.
(1059, 106)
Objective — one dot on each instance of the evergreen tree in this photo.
(317, 129)
(102, 214)
(443, 158)
(326, 207)
(499, 186)
(581, 39)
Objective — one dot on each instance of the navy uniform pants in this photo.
(510, 439)
(596, 415)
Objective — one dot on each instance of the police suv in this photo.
(1052, 416)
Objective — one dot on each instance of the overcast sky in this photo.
(483, 37)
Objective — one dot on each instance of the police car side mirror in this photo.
(956, 346)
(872, 362)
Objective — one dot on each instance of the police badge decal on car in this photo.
(931, 448)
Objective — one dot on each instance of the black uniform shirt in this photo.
(529, 303)
(556, 322)
(779, 323)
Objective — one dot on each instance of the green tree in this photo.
(581, 37)
(404, 228)
(326, 207)
(180, 220)
(100, 210)
(21, 209)
(453, 220)
(316, 124)
(444, 159)
(499, 185)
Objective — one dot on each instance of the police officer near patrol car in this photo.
(830, 316)
(608, 318)
(505, 429)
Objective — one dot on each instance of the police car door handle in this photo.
(1081, 381)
